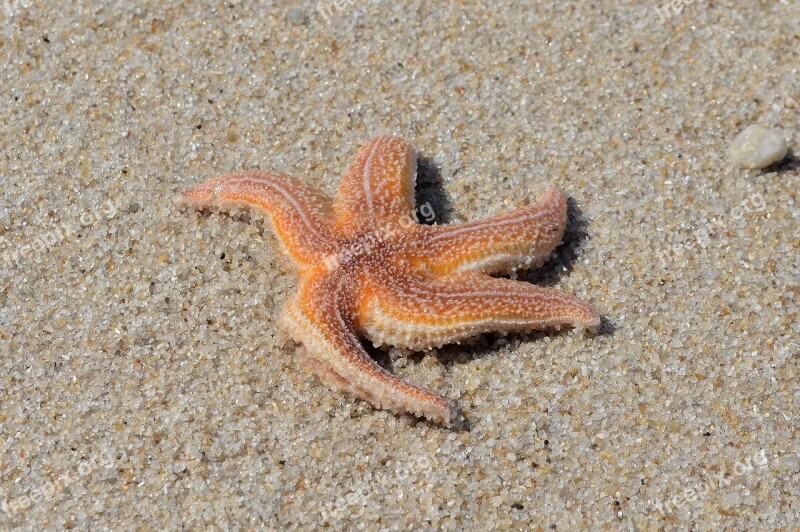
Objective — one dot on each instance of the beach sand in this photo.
(145, 382)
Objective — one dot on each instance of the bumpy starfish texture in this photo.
(367, 268)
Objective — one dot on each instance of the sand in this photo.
(145, 382)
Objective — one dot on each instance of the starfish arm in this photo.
(378, 187)
(522, 238)
(420, 313)
(321, 319)
(297, 210)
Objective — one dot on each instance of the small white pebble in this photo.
(757, 147)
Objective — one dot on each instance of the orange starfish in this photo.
(367, 268)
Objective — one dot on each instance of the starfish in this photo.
(367, 268)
